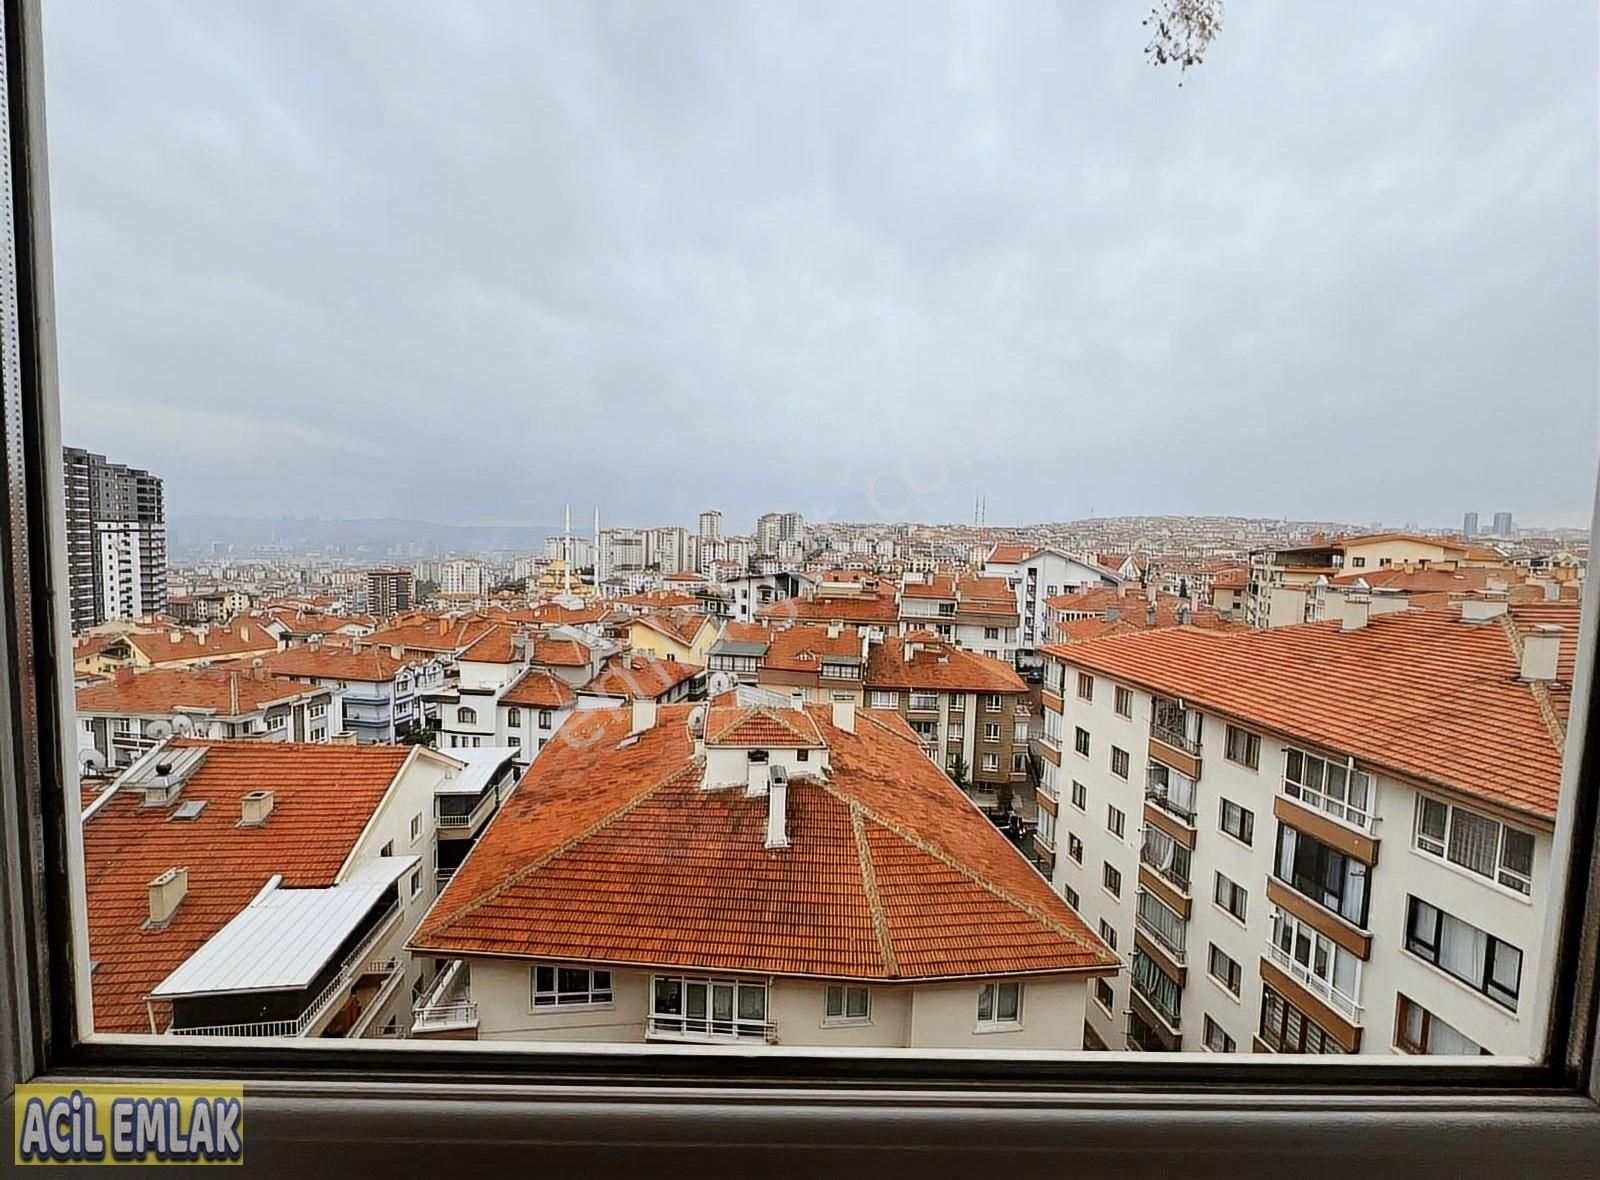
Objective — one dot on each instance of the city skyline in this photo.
(998, 252)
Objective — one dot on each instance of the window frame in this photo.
(306, 1112)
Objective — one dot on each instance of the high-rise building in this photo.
(710, 525)
(390, 591)
(116, 540)
(1502, 524)
(769, 532)
(1469, 525)
(463, 575)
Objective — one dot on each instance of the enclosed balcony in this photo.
(1175, 736)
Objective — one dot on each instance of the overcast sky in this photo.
(466, 261)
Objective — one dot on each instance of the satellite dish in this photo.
(158, 729)
(182, 726)
(219, 730)
(90, 761)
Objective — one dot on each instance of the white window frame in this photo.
(594, 993)
(844, 993)
(995, 997)
(1505, 878)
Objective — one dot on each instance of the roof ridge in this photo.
(964, 869)
(869, 886)
(527, 870)
(1552, 719)
(884, 725)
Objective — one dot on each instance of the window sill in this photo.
(557, 1009)
(1225, 989)
(846, 1022)
(997, 1026)
(1476, 878)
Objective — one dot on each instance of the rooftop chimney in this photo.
(1113, 613)
(254, 808)
(644, 715)
(1540, 649)
(1150, 615)
(1481, 610)
(835, 629)
(1357, 609)
(166, 893)
(757, 773)
(844, 716)
(778, 809)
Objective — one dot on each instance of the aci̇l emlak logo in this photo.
(129, 1124)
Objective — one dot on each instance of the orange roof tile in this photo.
(802, 649)
(561, 653)
(167, 690)
(843, 608)
(760, 726)
(936, 665)
(370, 664)
(633, 676)
(615, 854)
(167, 646)
(1420, 694)
(538, 689)
(323, 797)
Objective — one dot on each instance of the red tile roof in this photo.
(843, 608)
(168, 646)
(323, 797)
(803, 648)
(760, 726)
(679, 626)
(937, 666)
(430, 633)
(633, 676)
(560, 653)
(370, 664)
(538, 689)
(1420, 694)
(1010, 554)
(615, 854)
(166, 690)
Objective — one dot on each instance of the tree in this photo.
(413, 734)
(1181, 31)
(1003, 798)
(958, 772)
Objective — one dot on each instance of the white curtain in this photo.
(1474, 842)
(1463, 949)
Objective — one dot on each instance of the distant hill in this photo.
(375, 538)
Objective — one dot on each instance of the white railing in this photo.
(1162, 924)
(471, 820)
(700, 1028)
(1320, 988)
(440, 1016)
(355, 964)
(1353, 815)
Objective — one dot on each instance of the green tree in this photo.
(958, 772)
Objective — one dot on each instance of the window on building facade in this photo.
(1237, 822)
(466, 715)
(847, 1004)
(1074, 848)
(1224, 969)
(1286, 1029)
(1080, 740)
(1109, 933)
(999, 1004)
(991, 762)
(991, 732)
(885, 700)
(514, 717)
(1477, 958)
(1216, 1038)
(1115, 821)
(1242, 746)
(1080, 796)
(1105, 996)
(1416, 1030)
(554, 986)
(1111, 878)
(1124, 702)
(1085, 686)
(1230, 896)
(1325, 875)
(1334, 787)
(1119, 762)
(1493, 850)
(1071, 896)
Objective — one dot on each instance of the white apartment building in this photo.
(1036, 575)
(380, 696)
(463, 575)
(783, 933)
(978, 614)
(1328, 838)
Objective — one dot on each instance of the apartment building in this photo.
(116, 540)
(979, 614)
(1281, 578)
(796, 876)
(380, 696)
(122, 718)
(390, 592)
(632, 676)
(670, 635)
(250, 889)
(968, 711)
(530, 711)
(1035, 575)
(143, 647)
(1328, 838)
(1106, 610)
(736, 656)
(866, 605)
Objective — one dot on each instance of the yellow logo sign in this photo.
(129, 1124)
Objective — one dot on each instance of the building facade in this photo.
(116, 540)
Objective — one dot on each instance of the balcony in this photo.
(1172, 792)
(355, 967)
(1346, 1006)
(1167, 928)
(1165, 858)
(446, 1010)
(451, 823)
(701, 1029)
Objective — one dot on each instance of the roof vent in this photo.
(844, 716)
(1541, 648)
(778, 808)
(166, 894)
(190, 809)
(254, 809)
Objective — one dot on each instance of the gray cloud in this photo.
(468, 262)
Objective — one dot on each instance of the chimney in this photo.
(1151, 616)
(844, 716)
(778, 809)
(1481, 610)
(1540, 649)
(644, 715)
(1113, 613)
(835, 629)
(233, 694)
(244, 632)
(758, 773)
(166, 894)
(254, 808)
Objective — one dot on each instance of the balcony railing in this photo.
(1358, 815)
(1345, 1005)
(700, 1028)
(472, 818)
(355, 964)
(1174, 736)
(442, 1016)
(1162, 860)
(1148, 995)
(1162, 925)
(1171, 792)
